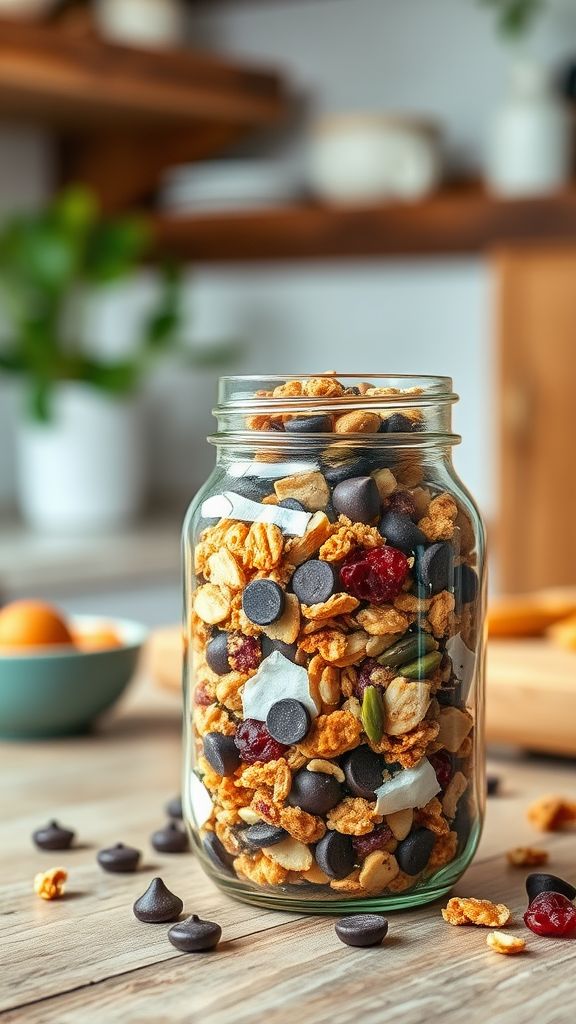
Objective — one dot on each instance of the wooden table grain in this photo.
(86, 958)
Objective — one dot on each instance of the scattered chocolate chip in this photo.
(174, 807)
(217, 853)
(434, 567)
(537, 883)
(400, 531)
(194, 935)
(217, 654)
(314, 792)
(263, 602)
(221, 753)
(363, 770)
(261, 835)
(492, 785)
(357, 498)
(362, 929)
(157, 904)
(465, 584)
(309, 425)
(398, 424)
(53, 837)
(292, 503)
(413, 853)
(314, 581)
(269, 646)
(118, 859)
(334, 854)
(170, 839)
(288, 721)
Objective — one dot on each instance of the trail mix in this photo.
(334, 630)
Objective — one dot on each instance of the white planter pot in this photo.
(84, 471)
(141, 22)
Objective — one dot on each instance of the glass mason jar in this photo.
(334, 628)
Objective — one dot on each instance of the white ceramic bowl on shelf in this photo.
(227, 184)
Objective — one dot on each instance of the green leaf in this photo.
(38, 406)
(115, 249)
(118, 378)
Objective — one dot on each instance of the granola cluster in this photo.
(333, 627)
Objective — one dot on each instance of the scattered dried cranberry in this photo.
(202, 696)
(376, 575)
(371, 674)
(255, 743)
(443, 766)
(244, 652)
(402, 502)
(550, 913)
(375, 840)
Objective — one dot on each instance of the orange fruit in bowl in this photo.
(97, 639)
(32, 624)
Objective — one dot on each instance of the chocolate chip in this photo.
(434, 567)
(413, 853)
(537, 883)
(291, 503)
(269, 646)
(53, 837)
(492, 783)
(170, 839)
(363, 770)
(217, 654)
(194, 935)
(157, 904)
(263, 602)
(335, 472)
(398, 424)
(357, 498)
(261, 835)
(288, 721)
(400, 531)
(335, 854)
(362, 929)
(309, 425)
(221, 753)
(174, 807)
(118, 859)
(465, 584)
(403, 502)
(314, 792)
(217, 853)
(253, 487)
(314, 581)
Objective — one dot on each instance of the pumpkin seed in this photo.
(406, 649)
(373, 713)
(422, 667)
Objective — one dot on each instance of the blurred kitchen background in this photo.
(364, 185)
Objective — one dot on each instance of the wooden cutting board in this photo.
(531, 690)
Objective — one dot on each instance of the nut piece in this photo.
(317, 764)
(378, 870)
(509, 945)
(385, 482)
(527, 857)
(223, 569)
(299, 549)
(400, 822)
(49, 885)
(290, 854)
(550, 813)
(212, 603)
(358, 422)
(456, 788)
(454, 728)
(287, 627)
(405, 705)
(473, 911)
(310, 489)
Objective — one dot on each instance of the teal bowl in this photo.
(60, 691)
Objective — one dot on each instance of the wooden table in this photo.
(86, 958)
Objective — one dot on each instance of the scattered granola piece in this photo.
(527, 857)
(474, 911)
(550, 813)
(509, 945)
(50, 885)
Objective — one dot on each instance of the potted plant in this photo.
(81, 459)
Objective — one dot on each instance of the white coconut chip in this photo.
(272, 471)
(230, 505)
(412, 787)
(276, 678)
(200, 800)
(463, 661)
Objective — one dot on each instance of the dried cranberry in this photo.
(255, 743)
(443, 766)
(371, 674)
(202, 695)
(403, 502)
(551, 913)
(244, 652)
(376, 575)
(375, 840)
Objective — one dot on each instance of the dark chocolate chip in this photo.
(157, 904)
(53, 837)
(261, 835)
(170, 839)
(398, 424)
(363, 770)
(289, 651)
(291, 503)
(221, 753)
(413, 853)
(450, 694)
(314, 581)
(253, 487)
(357, 498)
(174, 807)
(362, 929)
(400, 531)
(352, 391)
(336, 472)
(194, 935)
(217, 654)
(335, 854)
(537, 883)
(492, 782)
(314, 792)
(288, 721)
(217, 853)
(118, 859)
(465, 584)
(434, 567)
(309, 425)
(263, 602)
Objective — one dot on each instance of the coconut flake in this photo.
(276, 678)
(230, 505)
(412, 787)
(463, 662)
(271, 471)
(200, 800)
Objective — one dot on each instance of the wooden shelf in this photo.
(457, 221)
(124, 113)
